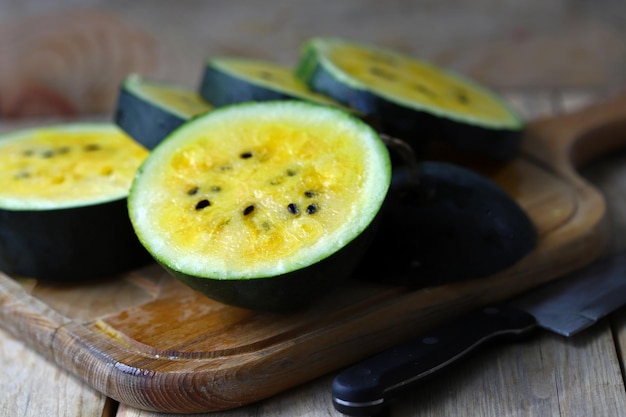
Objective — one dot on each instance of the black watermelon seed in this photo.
(291, 172)
(192, 191)
(312, 209)
(246, 155)
(310, 194)
(266, 75)
(202, 204)
(106, 171)
(463, 98)
(293, 208)
(382, 73)
(248, 210)
(92, 147)
(425, 90)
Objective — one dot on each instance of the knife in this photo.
(565, 306)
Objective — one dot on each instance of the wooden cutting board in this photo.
(148, 341)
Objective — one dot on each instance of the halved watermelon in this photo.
(411, 98)
(262, 205)
(63, 196)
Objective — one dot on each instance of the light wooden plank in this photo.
(312, 399)
(618, 321)
(544, 376)
(32, 386)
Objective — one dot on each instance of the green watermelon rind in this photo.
(145, 119)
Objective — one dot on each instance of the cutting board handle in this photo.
(576, 138)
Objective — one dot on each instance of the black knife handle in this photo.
(363, 389)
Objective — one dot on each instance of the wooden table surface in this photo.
(545, 375)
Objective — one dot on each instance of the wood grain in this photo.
(33, 386)
(71, 63)
(543, 376)
(161, 346)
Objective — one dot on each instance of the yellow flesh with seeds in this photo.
(182, 102)
(239, 195)
(414, 82)
(64, 166)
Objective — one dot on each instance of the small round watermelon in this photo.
(262, 205)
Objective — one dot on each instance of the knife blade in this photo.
(565, 306)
